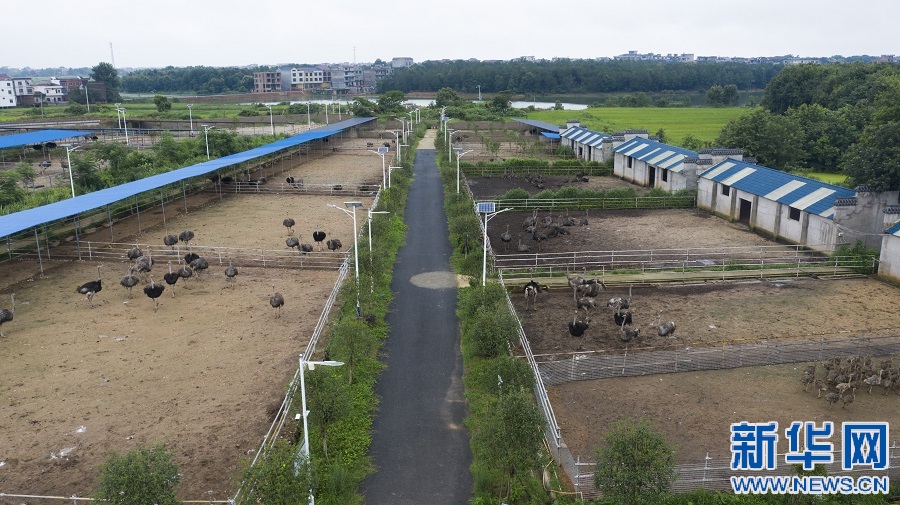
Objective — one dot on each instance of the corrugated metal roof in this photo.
(656, 153)
(894, 230)
(23, 139)
(550, 135)
(799, 192)
(584, 136)
(26, 219)
(539, 124)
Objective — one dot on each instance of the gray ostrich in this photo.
(186, 236)
(506, 238)
(293, 242)
(7, 315)
(129, 281)
(170, 240)
(231, 273)
(289, 224)
(276, 301)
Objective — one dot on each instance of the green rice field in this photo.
(702, 122)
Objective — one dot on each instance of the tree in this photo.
(10, 192)
(87, 178)
(391, 103)
(693, 143)
(107, 74)
(446, 97)
(635, 463)
(875, 159)
(715, 96)
(558, 106)
(511, 437)
(730, 95)
(143, 475)
(162, 103)
(279, 477)
(501, 101)
(661, 135)
(328, 400)
(362, 107)
(351, 342)
(774, 140)
(26, 173)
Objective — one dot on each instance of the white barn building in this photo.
(587, 145)
(650, 163)
(889, 266)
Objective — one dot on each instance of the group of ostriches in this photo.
(317, 235)
(585, 293)
(841, 378)
(542, 229)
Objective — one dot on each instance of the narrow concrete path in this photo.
(419, 446)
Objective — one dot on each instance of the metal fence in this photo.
(635, 362)
(638, 202)
(716, 473)
(516, 171)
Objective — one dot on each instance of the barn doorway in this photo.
(746, 208)
(652, 182)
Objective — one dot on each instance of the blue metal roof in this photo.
(539, 124)
(550, 135)
(38, 137)
(799, 192)
(894, 230)
(26, 219)
(656, 153)
(584, 136)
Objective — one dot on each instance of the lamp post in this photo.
(397, 140)
(383, 176)
(271, 119)
(458, 156)
(353, 205)
(479, 92)
(69, 161)
(118, 118)
(450, 144)
(487, 208)
(326, 113)
(87, 99)
(312, 366)
(206, 129)
(125, 123)
(190, 107)
(308, 120)
(402, 127)
(369, 219)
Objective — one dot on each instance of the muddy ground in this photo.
(205, 373)
(488, 187)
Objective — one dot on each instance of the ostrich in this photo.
(806, 380)
(576, 327)
(531, 291)
(199, 264)
(874, 380)
(154, 291)
(144, 264)
(134, 253)
(586, 303)
(171, 278)
(7, 315)
(627, 332)
(91, 288)
(846, 401)
(231, 273)
(621, 303)
(289, 224)
(129, 281)
(186, 236)
(293, 242)
(583, 221)
(522, 248)
(276, 301)
(170, 240)
(539, 237)
(318, 237)
(185, 272)
(668, 328)
(530, 221)
(506, 238)
(831, 398)
(590, 287)
(334, 244)
(190, 257)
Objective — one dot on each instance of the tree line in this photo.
(577, 76)
(841, 118)
(199, 79)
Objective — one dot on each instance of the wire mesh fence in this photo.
(635, 362)
(639, 202)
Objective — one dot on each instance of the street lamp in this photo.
(353, 205)
(486, 208)
(397, 140)
(87, 99)
(450, 144)
(125, 123)
(118, 118)
(458, 156)
(190, 107)
(312, 366)
(206, 130)
(271, 119)
(369, 218)
(380, 153)
(69, 161)
(402, 126)
(308, 121)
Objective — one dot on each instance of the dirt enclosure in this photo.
(205, 373)
(487, 187)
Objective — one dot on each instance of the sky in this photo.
(271, 32)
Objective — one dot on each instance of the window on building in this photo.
(726, 190)
(629, 160)
(665, 176)
(793, 214)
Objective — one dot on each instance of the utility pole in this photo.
(112, 56)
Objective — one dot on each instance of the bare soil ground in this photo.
(694, 410)
(802, 308)
(204, 374)
(487, 187)
(625, 230)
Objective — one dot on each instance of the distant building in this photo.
(7, 91)
(309, 78)
(49, 92)
(401, 62)
(267, 82)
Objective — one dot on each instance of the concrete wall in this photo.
(865, 220)
(889, 268)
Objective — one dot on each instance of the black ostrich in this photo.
(129, 281)
(334, 245)
(135, 253)
(190, 257)
(171, 278)
(170, 240)
(186, 236)
(506, 238)
(318, 237)
(154, 291)
(289, 224)
(276, 301)
(231, 273)
(293, 242)
(576, 327)
(91, 288)
(7, 315)
(622, 318)
(200, 264)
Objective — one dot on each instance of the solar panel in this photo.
(484, 207)
(382, 149)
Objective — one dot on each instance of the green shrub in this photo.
(248, 113)
(278, 477)
(143, 475)
(491, 332)
(635, 464)
(515, 194)
(862, 258)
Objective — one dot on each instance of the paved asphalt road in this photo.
(420, 446)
